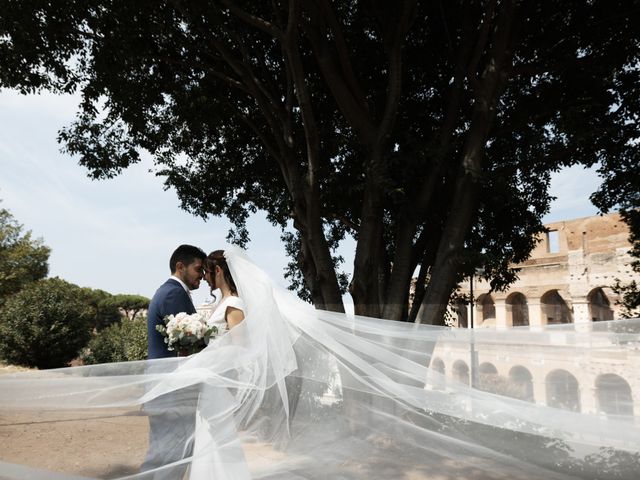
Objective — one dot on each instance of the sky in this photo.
(117, 235)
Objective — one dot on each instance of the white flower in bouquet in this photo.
(187, 333)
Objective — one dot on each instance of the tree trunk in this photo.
(400, 279)
(366, 285)
(447, 262)
(488, 90)
(326, 279)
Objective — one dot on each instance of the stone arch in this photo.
(599, 305)
(613, 395)
(517, 310)
(487, 368)
(562, 390)
(461, 372)
(521, 380)
(554, 309)
(486, 308)
(437, 365)
(488, 378)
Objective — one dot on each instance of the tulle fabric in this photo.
(296, 393)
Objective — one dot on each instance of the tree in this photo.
(45, 325)
(131, 304)
(425, 130)
(105, 310)
(109, 309)
(23, 259)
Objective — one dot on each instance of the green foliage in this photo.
(45, 325)
(428, 131)
(546, 451)
(109, 309)
(611, 463)
(500, 385)
(105, 310)
(629, 298)
(132, 305)
(121, 342)
(22, 259)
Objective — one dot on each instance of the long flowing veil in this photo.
(297, 393)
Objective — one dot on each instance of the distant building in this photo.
(207, 308)
(567, 279)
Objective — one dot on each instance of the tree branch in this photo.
(354, 111)
(343, 55)
(483, 37)
(394, 85)
(346, 222)
(260, 23)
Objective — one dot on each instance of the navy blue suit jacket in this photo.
(170, 299)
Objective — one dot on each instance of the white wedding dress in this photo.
(218, 315)
(296, 393)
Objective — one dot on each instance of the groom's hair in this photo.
(186, 254)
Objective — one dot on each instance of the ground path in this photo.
(112, 443)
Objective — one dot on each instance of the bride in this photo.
(229, 311)
(290, 392)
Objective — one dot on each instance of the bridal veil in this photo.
(297, 393)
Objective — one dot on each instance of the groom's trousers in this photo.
(171, 428)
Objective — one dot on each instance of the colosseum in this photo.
(567, 280)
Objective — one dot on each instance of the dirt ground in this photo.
(113, 443)
(55, 442)
(65, 441)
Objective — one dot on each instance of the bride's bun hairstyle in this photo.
(216, 259)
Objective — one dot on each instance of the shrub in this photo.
(120, 342)
(500, 385)
(44, 325)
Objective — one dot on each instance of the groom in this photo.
(174, 296)
(172, 415)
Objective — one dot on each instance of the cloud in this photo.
(572, 186)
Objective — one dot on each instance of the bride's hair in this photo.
(216, 258)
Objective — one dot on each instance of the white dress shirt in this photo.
(184, 285)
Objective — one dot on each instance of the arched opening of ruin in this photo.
(613, 395)
(555, 309)
(487, 368)
(437, 365)
(517, 310)
(599, 305)
(461, 372)
(436, 375)
(563, 391)
(521, 382)
(486, 308)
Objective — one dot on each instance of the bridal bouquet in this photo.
(186, 333)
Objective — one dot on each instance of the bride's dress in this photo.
(296, 393)
(218, 453)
